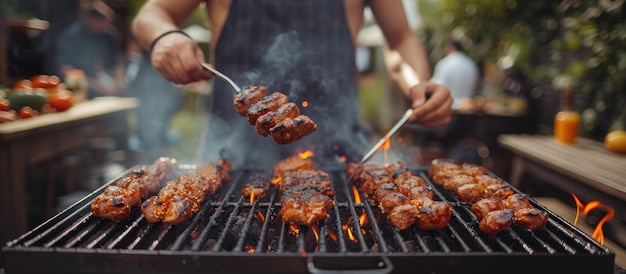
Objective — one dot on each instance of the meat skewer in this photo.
(269, 120)
(117, 200)
(179, 200)
(257, 186)
(496, 205)
(406, 199)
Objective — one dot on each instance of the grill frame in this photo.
(28, 253)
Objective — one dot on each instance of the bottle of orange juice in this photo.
(567, 120)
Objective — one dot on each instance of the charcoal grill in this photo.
(233, 235)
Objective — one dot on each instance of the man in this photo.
(458, 72)
(305, 49)
(91, 45)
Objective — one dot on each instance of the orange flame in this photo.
(277, 180)
(343, 158)
(332, 234)
(350, 236)
(386, 146)
(305, 155)
(251, 196)
(294, 229)
(357, 197)
(316, 233)
(260, 216)
(597, 234)
(305, 104)
(362, 218)
(248, 248)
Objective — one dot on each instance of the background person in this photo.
(458, 72)
(92, 45)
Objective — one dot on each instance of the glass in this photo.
(566, 124)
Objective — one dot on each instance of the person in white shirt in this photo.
(458, 72)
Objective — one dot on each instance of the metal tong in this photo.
(222, 76)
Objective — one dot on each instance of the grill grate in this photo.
(231, 234)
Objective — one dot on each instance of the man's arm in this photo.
(405, 57)
(413, 64)
(176, 56)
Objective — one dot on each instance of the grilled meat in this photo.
(384, 190)
(303, 205)
(496, 221)
(178, 201)
(257, 186)
(434, 216)
(403, 216)
(265, 105)
(531, 218)
(292, 163)
(247, 97)
(117, 200)
(115, 203)
(470, 193)
(310, 178)
(292, 129)
(392, 200)
(269, 120)
(486, 205)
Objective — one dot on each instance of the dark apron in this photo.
(303, 49)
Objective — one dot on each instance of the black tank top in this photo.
(303, 49)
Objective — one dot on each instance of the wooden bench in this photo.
(585, 168)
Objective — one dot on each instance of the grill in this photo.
(231, 235)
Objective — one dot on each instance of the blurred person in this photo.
(458, 72)
(305, 49)
(91, 44)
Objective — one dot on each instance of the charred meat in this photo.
(292, 129)
(269, 120)
(247, 97)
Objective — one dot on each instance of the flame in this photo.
(248, 248)
(294, 229)
(350, 236)
(399, 139)
(332, 234)
(251, 196)
(305, 155)
(305, 104)
(277, 180)
(343, 158)
(348, 229)
(316, 233)
(357, 197)
(597, 234)
(362, 218)
(260, 216)
(386, 146)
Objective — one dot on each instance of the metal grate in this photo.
(230, 234)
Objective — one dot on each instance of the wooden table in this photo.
(585, 168)
(27, 142)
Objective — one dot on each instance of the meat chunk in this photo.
(265, 105)
(115, 203)
(531, 218)
(292, 129)
(434, 216)
(311, 178)
(403, 216)
(470, 193)
(269, 120)
(304, 206)
(247, 97)
(496, 221)
(486, 205)
(257, 186)
(292, 163)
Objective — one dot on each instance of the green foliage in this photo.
(582, 41)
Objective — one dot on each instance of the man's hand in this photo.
(177, 57)
(435, 111)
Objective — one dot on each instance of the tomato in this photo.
(23, 84)
(616, 141)
(45, 81)
(5, 105)
(61, 100)
(27, 112)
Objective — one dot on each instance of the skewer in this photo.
(222, 76)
